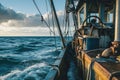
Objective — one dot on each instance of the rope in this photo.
(54, 31)
(89, 75)
(47, 24)
(55, 67)
(42, 19)
(48, 14)
(47, 11)
(83, 63)
(55, 38)
(114, 74)
(67, 24)
(64, 21)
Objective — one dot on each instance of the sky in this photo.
(27, 6)
(20, 17)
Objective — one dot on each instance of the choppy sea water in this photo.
(25, 58)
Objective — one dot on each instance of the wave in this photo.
(21, 58)
(9, 60)
(34, 72)
(2, 48)
(31, 57)
(36, 42)
(24, 48)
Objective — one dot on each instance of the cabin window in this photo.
(110, 17)
(81, 16)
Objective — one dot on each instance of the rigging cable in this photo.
(42, 19)
(65, 20)
(47, 11)
(47, 14)
(54, 31)
(68, 28)
(52, 23)
(66, 24)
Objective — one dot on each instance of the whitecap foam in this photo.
(9, 74)
(32, 72)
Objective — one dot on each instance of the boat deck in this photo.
(103, 70)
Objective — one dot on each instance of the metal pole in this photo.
(102, 11)
(117, 22)
(57, 22)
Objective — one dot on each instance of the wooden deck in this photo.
(103, 70)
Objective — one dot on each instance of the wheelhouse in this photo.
(95, 20)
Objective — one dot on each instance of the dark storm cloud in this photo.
(7, 13)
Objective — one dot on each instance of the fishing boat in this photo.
(94, 52)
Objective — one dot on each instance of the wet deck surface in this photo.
(72, 73)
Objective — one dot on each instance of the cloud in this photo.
(24, 31)
(7, 13)
(9, 17)
(31, 21)
(14, 23)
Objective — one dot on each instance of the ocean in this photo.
(25, 58)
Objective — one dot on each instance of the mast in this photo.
(117, 22)
(57, 22)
